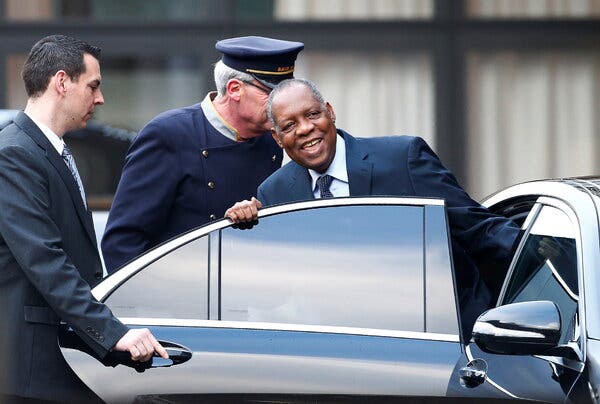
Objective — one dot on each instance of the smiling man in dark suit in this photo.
(329, 162)
(48, 254)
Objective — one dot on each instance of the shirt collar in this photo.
(337, 168)
(53, 138)
(215, 119)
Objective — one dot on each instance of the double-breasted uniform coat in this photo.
(180, 173)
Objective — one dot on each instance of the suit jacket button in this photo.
(274, 158)
(205, 153)
(211, 184)
(212, 217)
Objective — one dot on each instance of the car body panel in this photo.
(298, 362)
(244, 360)
(554, 378)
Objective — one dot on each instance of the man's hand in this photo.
(141, 344)
(244, 211)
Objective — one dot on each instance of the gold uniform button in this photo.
(212, 217)
(274, 158)
(211, 184)
(205, 153)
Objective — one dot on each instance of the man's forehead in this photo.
(92, 67)
(298, 92)
(90, 61)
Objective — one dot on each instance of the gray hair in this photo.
(290, 83)
(224, 73)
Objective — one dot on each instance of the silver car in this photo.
(352, 299)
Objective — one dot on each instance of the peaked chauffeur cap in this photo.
(268, 60)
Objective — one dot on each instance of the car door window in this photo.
(356, 266)
(546, 268)
(174, 286)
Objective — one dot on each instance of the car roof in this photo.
(587, 184)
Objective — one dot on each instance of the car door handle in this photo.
(473, 374)
(177, 354)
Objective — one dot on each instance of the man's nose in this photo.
(99, 99)
(305, 126)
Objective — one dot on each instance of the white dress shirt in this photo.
(54, 139)
(337, 169)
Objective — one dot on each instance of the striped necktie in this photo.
(324, 182)
(70, 162)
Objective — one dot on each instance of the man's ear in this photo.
(331, 111)
(276, 138)
(59, 81)
(234, 89)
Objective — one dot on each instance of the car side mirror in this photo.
(527, 328)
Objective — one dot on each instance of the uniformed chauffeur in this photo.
(188, 165)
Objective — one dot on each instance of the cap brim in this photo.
(265, 82)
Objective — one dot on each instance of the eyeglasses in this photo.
(265, 90)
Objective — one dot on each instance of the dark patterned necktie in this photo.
(70, 162)
(324, 182)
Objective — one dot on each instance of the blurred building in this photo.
(504, 90)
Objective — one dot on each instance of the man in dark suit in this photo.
(48, 254)
(329, 162)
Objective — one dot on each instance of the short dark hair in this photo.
(51, 54)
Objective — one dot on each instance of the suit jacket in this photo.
(181, 173)
(406, 166)
(48, 262)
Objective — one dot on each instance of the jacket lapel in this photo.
(32, 130)
(300, 183)
(358, 166)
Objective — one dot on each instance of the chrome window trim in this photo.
(562, 282)
(104, 289)
(533, 214)
(555, 189)
(249, 325)
(572, 214)
(570, 211)
(214, 280)
(572, 364)
(587, 206)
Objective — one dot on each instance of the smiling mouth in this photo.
(311, 143)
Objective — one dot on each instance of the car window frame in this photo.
(426, 219)
(212, 230)
(569, 210)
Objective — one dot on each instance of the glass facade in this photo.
(209, 10)
(498, 99)
(533, 8)
(534, 107)
(136, 89)
(140, 10)
(307, 10)
(375, 93)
